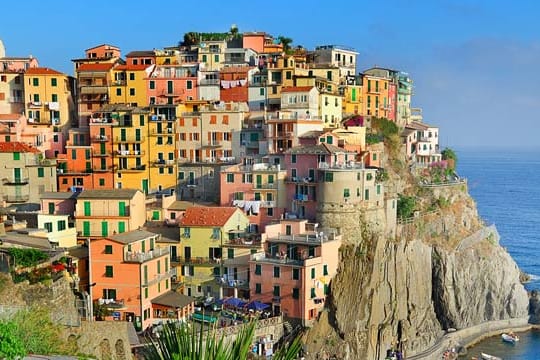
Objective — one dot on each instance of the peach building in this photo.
(133, 279)
(295, 271)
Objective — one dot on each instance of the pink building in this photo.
(302, 164)
(295, 271)
(59, 203)
(172, 83)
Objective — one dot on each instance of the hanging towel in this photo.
(243, 82)
(255, 207)
(247, 206)
(233, 83)
(225, 84)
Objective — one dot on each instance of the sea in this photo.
(505, 184)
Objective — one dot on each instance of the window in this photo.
(52, 207)
(258, 269)
(203, 58)
(261, 91)
(86, 228)
(109, 294)
(325, 269)
(276, 291)
(35, 81)
(118, 92)
(87, 211)
(108, 249)
(293, 158)
(295, 274)
(230, 178)
(41, 172)
(328, 177)
(122, 208)
(54, 97)
(187, 233)
(295, 293)
(313, 294)
(131, 91)
(109, 271)
(288, 75)
(87, 154)
(61, 225)
(189, 85)
(104, 228)
(258, 289)
(276, 271)
(216, 58)
(146, 297)
(101, 182)
(48, 226)
(131, 76)
(181, 175)
(152, 85)
(313, 273)
(374, 156)
(346, 193)
(16, 156)
(378, 189)
(369, 176)
(366, 194)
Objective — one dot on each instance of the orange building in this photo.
(133, 279)
(75, 166)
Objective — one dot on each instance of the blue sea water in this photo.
(506, 187)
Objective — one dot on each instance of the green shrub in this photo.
(27, 257)
(405, 206)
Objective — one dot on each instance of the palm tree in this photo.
(286, 42)
(179, 342)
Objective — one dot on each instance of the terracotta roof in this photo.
(173, 299)
(416, 126)
(297, 89)
(137, 53)
(207, 216)
(10, 116)
(42, 71)
(313, 134)
(10, 147)
(95, 67)
(108, 194)
(132, 67)
(316, 149)
(108, 46)
(132, 236)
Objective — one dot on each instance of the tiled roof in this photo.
(108, 194)
(42, 71)
(10, 147)
(58, 195)
(207, 216)
(173, 299)
(313, 134)
(236, 69)
(95, 67)
(132, 236)
(138, 53)
(182, 205)
(10, 116)
(132, 67)
(106, 45)
(416, 126)
(297, 89)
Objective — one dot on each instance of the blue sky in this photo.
(474, 63)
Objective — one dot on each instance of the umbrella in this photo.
(257, 305)
(235, 302)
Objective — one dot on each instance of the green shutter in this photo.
(104, 228)
(16, 156)
(122, 208)
(87, 211)
(86, 228)
(41, 172)
(121, 227)
(51, 208)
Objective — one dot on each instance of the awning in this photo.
(93, 90)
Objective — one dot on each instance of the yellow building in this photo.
(162, 151)
(211, 55)
(204, 231)
(129, 84)
(101, 213)
(353, 101)
(330, 109)
(48, 97)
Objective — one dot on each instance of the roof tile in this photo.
(207, 216)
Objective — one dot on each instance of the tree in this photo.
(190, 38)
(286, 42)
(182, 342)
(234, 31)
(405, 206)
(450, 156)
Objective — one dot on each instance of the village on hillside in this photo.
(187, 183)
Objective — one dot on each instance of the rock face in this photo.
(442, 270)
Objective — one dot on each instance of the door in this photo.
(51, 208)
(172, 250)
(187, 252)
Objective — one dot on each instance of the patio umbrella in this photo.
(235, 302)
(257, 305)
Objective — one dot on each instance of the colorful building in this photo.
(294, 272)
(204, 231)
(172, 83)
(132, 277)
(101, 213)
(25, 174)
(344, 58)
(129, 85)
(75, 165)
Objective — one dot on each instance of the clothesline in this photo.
(227, 84)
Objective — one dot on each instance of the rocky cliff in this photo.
(440, 269)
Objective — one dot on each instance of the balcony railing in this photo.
(268, 204)
(140, 257)
(134, 169)
(16, 198)
(129, 139)
(192, 113)
(101, 154)
(199, 260)
(129, 153)
(102, 169)
(100, 138)
(244, 242)
(163, 163)
(162, 132)
(15, 181)
(16, 99)
(268, 186)
(159, 277)
(212, 143)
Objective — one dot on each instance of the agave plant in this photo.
(181, 342)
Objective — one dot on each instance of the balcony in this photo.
(35, 104)
(244, 242)
(15, 181)
(16, 198)
(191, 114)
(209, 82)
(129, 153)
(212, 144)
(299, 179)
(163, 163)
(159, 277)
(16, 100)
(134, 169)
(302, 197)
(162, 117)
(140, 257)
(101, 154)
(268, 204)
(119, 83)
(162, 132)
(8, 130)
(129, 139)
(301, 260)
(84, 172)
(99, 169)
(100, 138)
(202, 261)
(282, 135)
(374, 91)
(101, 121)
(266, 186)
(93, 89)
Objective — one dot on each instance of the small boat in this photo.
(489, 357)
(510, 337)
